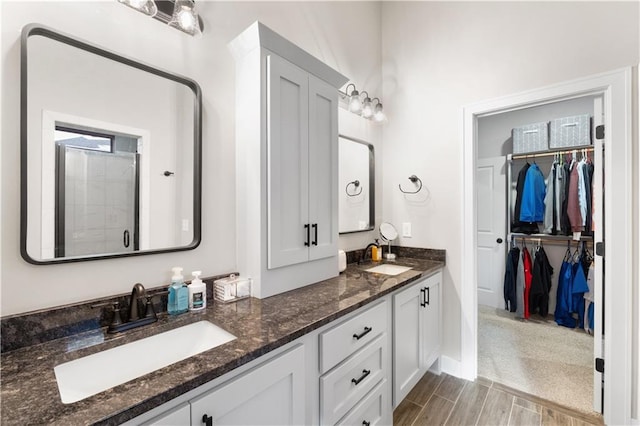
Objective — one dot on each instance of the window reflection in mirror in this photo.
(357, 185)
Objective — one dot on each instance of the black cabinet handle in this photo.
(315, 234)
(306, 242)
(364, 333)
(125, 238)
(423, 302)
(365, 373)
(207, 420)
(428, 295)
(366, 423)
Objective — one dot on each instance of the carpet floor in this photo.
(537, 357)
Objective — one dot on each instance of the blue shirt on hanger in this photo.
(532, 208)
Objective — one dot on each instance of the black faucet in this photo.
(137, 316)
(366, 249)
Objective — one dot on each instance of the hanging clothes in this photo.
(527, 280)
(509, 290)
(534, 191)
(517, 225)
(573, 202)
(589, 301)
(540, 284)
(562, 312)
(565, 224)
(520, 283)
(549, 203)
(588, 183)
(578, 289)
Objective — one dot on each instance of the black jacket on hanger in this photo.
(510, 299)
(540, 284)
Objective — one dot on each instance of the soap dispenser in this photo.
(178, 302)
(197, 293)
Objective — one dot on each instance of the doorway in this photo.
(615, 88)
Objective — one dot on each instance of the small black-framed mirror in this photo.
(356, 177)
(111, 153)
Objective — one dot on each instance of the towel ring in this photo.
(356, 184)
(413, 179)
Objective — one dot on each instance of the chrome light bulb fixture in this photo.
(367, 108)
(378, 114)
(355, 106)
(148, 7)
(185, 17)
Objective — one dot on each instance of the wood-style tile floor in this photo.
(447, 400)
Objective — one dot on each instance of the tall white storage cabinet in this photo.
(286, 163)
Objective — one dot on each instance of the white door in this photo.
(270, 394)
(323, 169)
(408, 329)
(288, 229)
(492, 228)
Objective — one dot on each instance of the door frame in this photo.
(616, 89)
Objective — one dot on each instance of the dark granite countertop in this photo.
(29, 393)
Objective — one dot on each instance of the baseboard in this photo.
(450, 366)
(635, 422)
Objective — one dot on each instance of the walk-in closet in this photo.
(539, 206)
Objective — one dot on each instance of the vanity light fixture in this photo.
(148, 7)
(179, 14)
(352, 100)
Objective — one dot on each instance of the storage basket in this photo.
(572, 131)
(231, 288)
(530, 138)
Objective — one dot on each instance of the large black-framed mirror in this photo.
(111, 153)
(356, 177)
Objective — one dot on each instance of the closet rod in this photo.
(550, 154)
(543, 241)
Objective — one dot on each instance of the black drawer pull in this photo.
(306, 242)
(365, 373)
(364, 333)
(423, 302)
(315, 235)
(365, 423)
(428, 295)
(207, 420)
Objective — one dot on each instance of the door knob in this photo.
(499, 241)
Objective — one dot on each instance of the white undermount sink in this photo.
(92, 374)
(388, 269)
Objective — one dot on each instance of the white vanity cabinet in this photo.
(302, 130)
(272, 393)
(416, 333)
(286, 163)
(355, 367)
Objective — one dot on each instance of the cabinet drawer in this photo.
(345, 385)
(374, 409)
(349, 336)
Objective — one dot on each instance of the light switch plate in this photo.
(406, 229)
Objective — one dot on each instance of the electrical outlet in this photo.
(406, 229)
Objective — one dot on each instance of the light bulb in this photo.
(148, 7)
(185, 18)
(367, 110)
(379, 115)
(355, 105)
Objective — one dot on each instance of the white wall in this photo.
(452, 54)
(323, 29)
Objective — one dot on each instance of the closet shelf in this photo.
(547, 237)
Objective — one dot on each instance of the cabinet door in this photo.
(323, 168)
(408, 330)
(270, 394)
(287, 163)
(431, 338)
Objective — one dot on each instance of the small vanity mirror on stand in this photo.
(388, 233)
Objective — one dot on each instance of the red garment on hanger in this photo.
(528, 274)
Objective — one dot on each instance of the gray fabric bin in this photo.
(570, 132)
(530, 138)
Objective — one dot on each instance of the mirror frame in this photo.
(41, 30)
(372, 184)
